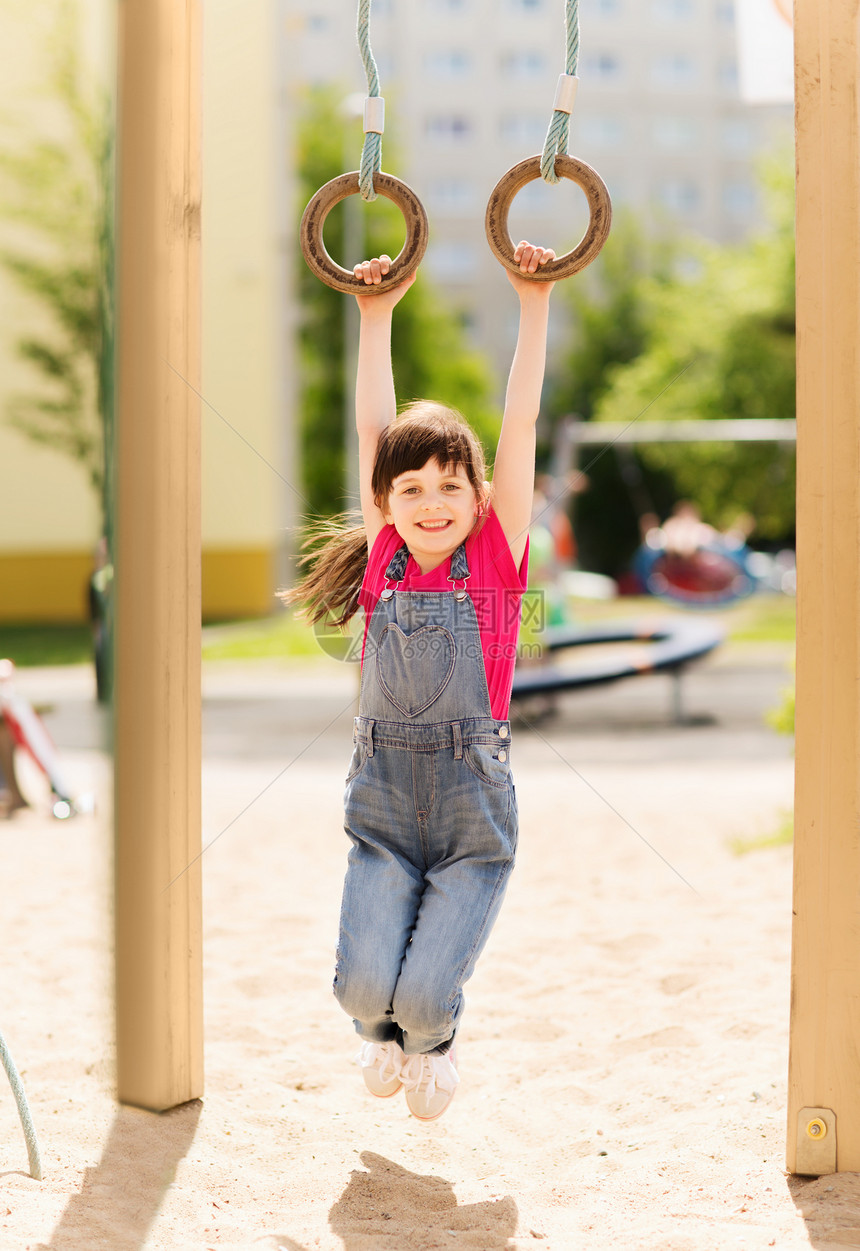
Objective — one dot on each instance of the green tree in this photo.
(721, 344)
(609, 308)
(56, 199)
(431, 358)
(684, 329)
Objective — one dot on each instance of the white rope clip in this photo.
(565, 93)
(374, 115)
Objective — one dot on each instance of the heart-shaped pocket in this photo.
(414, 669)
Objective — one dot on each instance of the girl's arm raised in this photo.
(375, 402)
(514, 469)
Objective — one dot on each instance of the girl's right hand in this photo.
(371, 273)
(530, 258)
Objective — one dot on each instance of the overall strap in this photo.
(397, 565)
(459, 565)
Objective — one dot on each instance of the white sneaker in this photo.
(430, 1082)
(380, 1065)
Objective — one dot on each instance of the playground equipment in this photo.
(158, 912)
(668, 647)
(671, 647)
(723, 570)
(552, 165)
(719, 570)
(23, 1106)
(367, 181)
(825, 974)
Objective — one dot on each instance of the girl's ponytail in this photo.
(336, 563)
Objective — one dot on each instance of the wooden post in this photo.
(824, 1064)
(157, 688)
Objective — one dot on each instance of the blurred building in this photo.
(49, 516)
(251, 480)
(469, 86)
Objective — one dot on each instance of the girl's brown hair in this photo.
(336, 551)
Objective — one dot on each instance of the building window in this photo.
(727, 74)
(525, 6)
(452, 63)
(724, 12)
(451, 197)
(447, 126)
(674, 133)
(739, 198)
(524, 130)
(524, 64)
(534, 199)
(736, 136)
(607, 8)
(674, 70)
(619, 190)
(601, 132)
(386, 65)
(452, 261)
(603, 67)
(446, 6)
(679, 195)
(672, 10)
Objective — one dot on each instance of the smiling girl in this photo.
(439, 567)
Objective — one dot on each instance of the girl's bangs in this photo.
(414, 453)
(411, 441)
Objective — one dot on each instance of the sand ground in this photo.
(623, 1053)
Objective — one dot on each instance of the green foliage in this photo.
(610, 310)
(721, 344)
(684, 330)
(782, 718)
(31, 645)
(762, 619)
(430, 358)
(431, 362)
(781, 836)
(269, 638)
(321, 333)
(609, 306)
(54, 194)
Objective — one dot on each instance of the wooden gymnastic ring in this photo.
(408, 258)
(599, 204)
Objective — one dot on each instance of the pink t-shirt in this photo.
(495, 587)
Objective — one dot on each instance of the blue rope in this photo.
(23, 1111)
(558, 134)
(371, 155)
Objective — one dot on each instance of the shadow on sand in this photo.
(830, 1207)
(121, 1196)
(389, 1207)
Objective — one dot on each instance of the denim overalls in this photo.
(431, 813)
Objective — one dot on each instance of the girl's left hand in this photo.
(529, 257)
(371, 274)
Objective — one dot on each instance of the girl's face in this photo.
(433, 509)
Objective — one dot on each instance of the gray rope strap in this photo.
(23, 1111)
(371, 155)
(558, 134)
